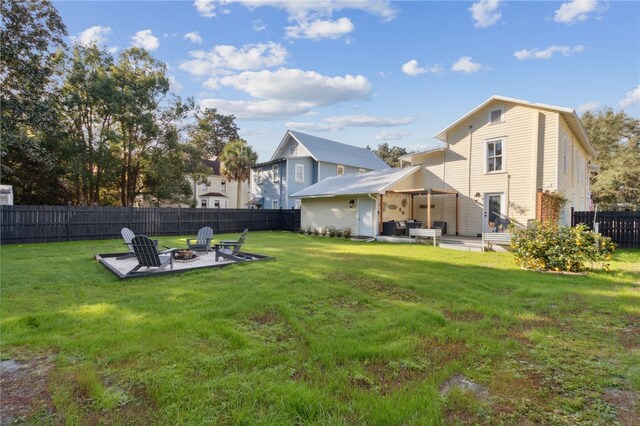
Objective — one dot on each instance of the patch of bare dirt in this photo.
(629, 335)
(381, 288)
(387, 377)
(627, 405)
(271, 326)
(24, 386)
(441, 352)
(465, 384)
(349, 304)
(463, 316)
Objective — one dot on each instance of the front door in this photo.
(365, 217)
(494, 219)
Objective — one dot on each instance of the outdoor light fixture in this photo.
(351, 203)
(477, 195)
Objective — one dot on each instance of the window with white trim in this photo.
(565, 154)
(340, 170)
(361, 170)
(274, 204)
(203, 203)
(223, 185)
(495, 156)
(204, 186)
(216, 204)
(258, 173)
(299, 173)
(276, 172)
(573, 162)
(495, 116)
(297, 203)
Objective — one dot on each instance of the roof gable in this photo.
(570, 116)
(332, 152)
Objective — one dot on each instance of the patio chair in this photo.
(202, 241)
(230, 250)
(127, 236)
(148, 256)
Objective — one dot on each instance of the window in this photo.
(274, 204)
(297, 204)
(340, 170)
(258, 173)
(495, 156)
(204, 186)
(495, 116)
(574, 162)
(203, 203)
(216, 204)
(300, 173)
(361, 170)
(223, 185)
(565, 148)
(276, 173)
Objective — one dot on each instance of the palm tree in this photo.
(236, 160)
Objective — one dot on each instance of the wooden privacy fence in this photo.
(622, 227)
(33, 224)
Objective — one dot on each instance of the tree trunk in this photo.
(239, 193)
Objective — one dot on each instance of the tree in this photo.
(31, 31)
(212, 131)
(616, 138)
(237, 158)
(390, 155)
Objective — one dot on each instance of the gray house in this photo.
(302, 160)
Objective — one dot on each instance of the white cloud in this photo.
(174, 84)
(632, 98)
(412, 68)
(340, 122)
(257, 109)
(548, 52)
(259, 25)
(466, 65)
(93, 35)
(296, 85)
(588, 106)
(193, 37)
(112, 49)
(225, 58)
(390, 135)
(320, 29)
(576, 11)
(146, 40)
(205, 7)
(485, 13)
(324, 8)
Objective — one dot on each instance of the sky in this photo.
(369, 72)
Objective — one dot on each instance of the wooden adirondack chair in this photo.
(231, 249)
(148, 256)
(202, 241)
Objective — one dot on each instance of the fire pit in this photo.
(185, 255)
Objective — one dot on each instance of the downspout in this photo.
(375, 204)
(469, 172)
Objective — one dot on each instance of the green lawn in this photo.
(331, 332)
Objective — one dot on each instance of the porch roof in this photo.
(422, 191)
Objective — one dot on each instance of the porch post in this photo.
(457, 212)
(380, 214)
(429, 209)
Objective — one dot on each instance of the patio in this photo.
(122, 267)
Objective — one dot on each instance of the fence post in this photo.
(179, 219)
(130, 216)
(68, 217)
(573, 219)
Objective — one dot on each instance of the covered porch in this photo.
(409, 214)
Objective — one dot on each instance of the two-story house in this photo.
(302, 160)
(215, 191)
(494, 162)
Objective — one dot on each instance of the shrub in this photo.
(316, 232)
(309, 230)
(301, 230)
(323, 231)
(560, 248)
(332, 231)
(347, 232)
(338, 232)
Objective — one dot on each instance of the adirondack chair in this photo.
(127, 236)
(146, 252)
(202, 241)
(231, 249)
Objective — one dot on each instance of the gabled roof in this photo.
(213, 194)
(572, 119)
(333, 152)
(374, 182)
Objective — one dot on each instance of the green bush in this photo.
(316, 232)
(347, 232)
(332, 231)
(560, 248)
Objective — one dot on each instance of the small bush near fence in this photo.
(547, 247)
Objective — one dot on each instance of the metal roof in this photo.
(335, 152)
(374, 182)
(574, 122)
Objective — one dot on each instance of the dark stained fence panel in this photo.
(622, 227)
(32, 224)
